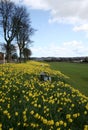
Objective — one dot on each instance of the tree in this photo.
(7, 11)
(16, 24)
(26, 53)
(14, 56)
(12, 50)
(24, 29)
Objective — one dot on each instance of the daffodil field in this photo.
(27, 103)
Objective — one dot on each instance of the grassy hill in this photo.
(78, 73)
(28, 103)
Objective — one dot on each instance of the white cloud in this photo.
(83, 27)
(69, 11)
(67, 49)
(76, 48)
(73, 44)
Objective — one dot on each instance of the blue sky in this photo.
(62, 27)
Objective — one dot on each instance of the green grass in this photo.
(77, 72)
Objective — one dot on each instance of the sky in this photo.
(62, 27)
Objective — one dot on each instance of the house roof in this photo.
(1, 53)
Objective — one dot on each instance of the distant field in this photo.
(78, 73)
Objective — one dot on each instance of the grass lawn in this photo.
(77, 72)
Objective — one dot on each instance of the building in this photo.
(2, 57)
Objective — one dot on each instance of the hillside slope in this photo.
(27, 102)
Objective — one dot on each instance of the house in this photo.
(2, 57)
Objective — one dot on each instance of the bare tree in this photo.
(16, 24)
(7, 10)
(24, 29)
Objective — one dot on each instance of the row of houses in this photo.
(2, 57)
(62, 59)
(52, 59)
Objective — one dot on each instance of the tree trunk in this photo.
(20, 54)
(8, 51)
